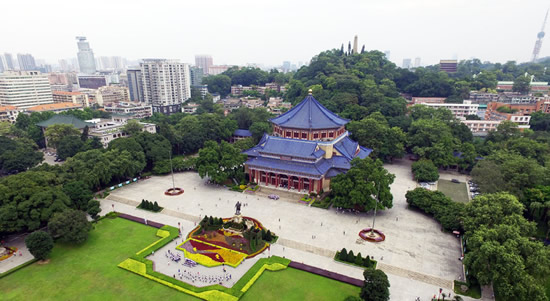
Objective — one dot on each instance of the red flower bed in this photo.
(200, 246)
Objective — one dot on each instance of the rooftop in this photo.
(65, 119)
(8, 108)
(242, 133)
(309, 114)
(55, 106)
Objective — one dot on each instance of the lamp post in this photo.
(172, 170)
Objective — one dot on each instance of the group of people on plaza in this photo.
(172, 256)
(210, 279)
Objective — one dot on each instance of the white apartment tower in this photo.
(24, 89)
(86, 60)
(166, 84)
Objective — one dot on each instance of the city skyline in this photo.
(406, 29)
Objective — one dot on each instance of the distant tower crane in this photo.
(538, 43)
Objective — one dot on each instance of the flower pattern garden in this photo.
(218, 241)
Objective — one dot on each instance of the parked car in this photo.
(273, 196)
(455, 181)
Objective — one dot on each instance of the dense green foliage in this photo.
(435, 203)
(220, 162)
(365, 186)
(425, 171)
(358, 259)
(374, 131)
(40, 244)
(376, 286)
(500, 251)
(18, 154)
(70, 226)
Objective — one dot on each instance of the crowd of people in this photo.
(172, 256)
(196, 276)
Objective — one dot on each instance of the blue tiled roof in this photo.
(287, 147)
(309, 114)
(242, 133)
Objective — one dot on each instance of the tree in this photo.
(132, 127)
(364, 183)
(93, 209)
(220, 162)
(358, 259)
(79, 193)
(40, 244)
(500, 251)
(435, 203)
(18, 155)
(540, 121)
(432, 139)
(376, 286)
(258, 129)
(69, 146)
(5, 128)
(374, 132)
(218, 84)
(70, 226)
(84, 135)
(425, 171)
(522, 84)
(54, 133)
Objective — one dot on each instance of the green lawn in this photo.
(458, 192)
(89, 271)
(293, 284)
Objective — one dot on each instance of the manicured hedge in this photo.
(357, 260)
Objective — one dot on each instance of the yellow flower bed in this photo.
(232, 258)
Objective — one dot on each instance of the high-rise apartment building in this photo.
(135, 84)
(196, 76)
(204, 62)
(24, 89)
(9, 61)
(166, 84)
(26, 62)
(407, 63)
(86, 60)
(416, 62)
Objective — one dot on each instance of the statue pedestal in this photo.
(237, 218)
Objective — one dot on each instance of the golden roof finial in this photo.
(310, 92)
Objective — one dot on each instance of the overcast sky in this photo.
(269, 32)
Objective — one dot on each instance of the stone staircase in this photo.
(390, 269)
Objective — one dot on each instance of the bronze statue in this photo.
(238, 208)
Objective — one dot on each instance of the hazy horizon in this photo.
(271, 32)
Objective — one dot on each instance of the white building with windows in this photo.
(166, 84)
(459, 110)
(25, 89)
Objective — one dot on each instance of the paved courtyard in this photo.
(415, 250)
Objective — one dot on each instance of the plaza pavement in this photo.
(417, 256)
(16, 260)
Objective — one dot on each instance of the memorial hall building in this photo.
(309, 146)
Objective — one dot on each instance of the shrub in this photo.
(350, 257)
(367, 262)
(156, 206)
(343, 255)
(359, 259)
(40, 244)
(435, 203)
(268, 236)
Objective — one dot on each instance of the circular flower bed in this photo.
(174, 191)
(371, 235)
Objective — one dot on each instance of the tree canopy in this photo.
(366, 182)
